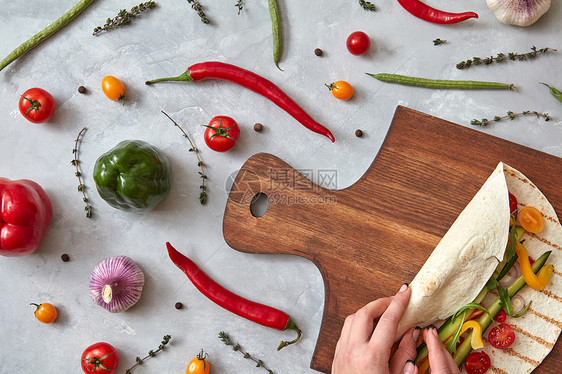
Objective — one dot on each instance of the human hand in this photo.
(362, 350)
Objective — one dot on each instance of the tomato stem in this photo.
(34, 105)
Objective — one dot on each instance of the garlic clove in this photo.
(116, 283)
(518, 12)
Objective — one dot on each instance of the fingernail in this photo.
(434, 331)
(416, 333)
(409, 367)
(404, 287)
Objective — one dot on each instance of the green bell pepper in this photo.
(133, 176)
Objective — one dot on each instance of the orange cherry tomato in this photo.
(341, 90)
(113, 88)
(530, 218)
(199, 365)
(45, 312)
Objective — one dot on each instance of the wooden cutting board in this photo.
(371, 237)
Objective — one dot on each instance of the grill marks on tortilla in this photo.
(545, 241)
(531, 336)
(546, 318)
(498, 370)
(551, 295)
(528, 360)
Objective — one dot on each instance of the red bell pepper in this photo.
(25, 213)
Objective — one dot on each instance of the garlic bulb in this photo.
(518, 12)
(116, 283)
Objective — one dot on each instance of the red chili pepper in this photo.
(427, 13)
(252, 81)
(255, 312)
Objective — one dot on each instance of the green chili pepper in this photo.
(36, 39)
(274, 13)
(440, 83)
(556, 93)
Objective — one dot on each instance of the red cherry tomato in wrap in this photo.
(477, 363)
(501, 336)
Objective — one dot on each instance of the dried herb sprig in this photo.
(124, 17)
(75, 162)
(236, 347)
(151, 353)
(511, 116)
(199, 9)
(240, 5)
(367, 5)
(439, 41)
(501, 57)
(202, 174)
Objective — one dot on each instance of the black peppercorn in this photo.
(179, 305)
(82, 89)
(318, 52)
(65, 257)
(258, 127)
(358, 133)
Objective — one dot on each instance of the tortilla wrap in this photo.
(466, 257)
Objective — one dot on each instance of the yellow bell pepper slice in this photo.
(536, 281)
(476, 336)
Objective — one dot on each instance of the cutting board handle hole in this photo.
(259, 204)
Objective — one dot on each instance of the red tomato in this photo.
(37, 105)
(501, 316)
(512, 202)
(358, 43)
(100, 358)
(502, 336)
(477, 363)
(222, 133)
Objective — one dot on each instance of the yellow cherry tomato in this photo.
(341, 90)
(45, 312)
(113, 88)
(199, 365)
(530, 218)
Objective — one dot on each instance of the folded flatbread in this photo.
(466, 257)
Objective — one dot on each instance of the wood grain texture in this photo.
(371, 237)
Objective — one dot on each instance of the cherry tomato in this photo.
(530, 218)
(501, 336)
(100, 358)
(222, 133)
(198, 365)
(37, 105)
(341, 90)
(512, 202)
(113, 88)
(358, 43)
(501, 316)
(45, 312)
(477, 363)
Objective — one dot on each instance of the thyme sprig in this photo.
(75, 162)
(202, 174)
(502, 57)
(240, 5)
(511, 116)
(236, 347)
(124, 17)
(367, 5)
(151, 353)
(199, 9)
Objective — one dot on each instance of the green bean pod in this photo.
(36, 39)
(274, 13)
(440, 83)
(556, 93)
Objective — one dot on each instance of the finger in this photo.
(363, 322)
(440, 360)
(385, 332)
(406, 350)
(410, 368)
(345, 331)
